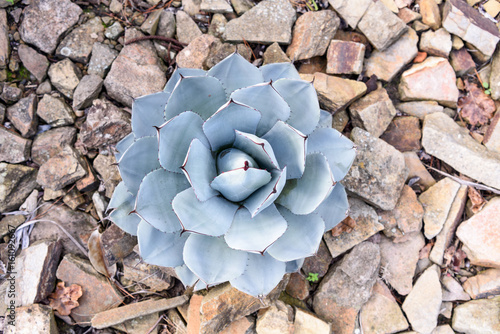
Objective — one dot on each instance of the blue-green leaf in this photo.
(294, 266)
(238, 184)
(123, 145)
(279, 71)
(184, 72)
(325, 119)
(266, 195)
(123, 203)
(187, 277)
(257, 148)
(148, 112)
(334, 208)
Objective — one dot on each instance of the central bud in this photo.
(232, 158)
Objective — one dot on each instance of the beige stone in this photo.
(484, 284)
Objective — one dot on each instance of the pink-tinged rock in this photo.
(417, 170)
(34, 62)
(275, 319)
(298, 286)
(452, 290)
(436, 43)
(197, 52)
(13, 147)
(481, 235)
(345, 57)
(408, 15)
(477, 316)
(492, 136)
(462, 62)
(49, 143)
(484, 284)
(35, 318)
(62, 169)
(23, 115)
(4, 39)
(351, 11)
(433, 79)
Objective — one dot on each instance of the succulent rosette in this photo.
(229, 175)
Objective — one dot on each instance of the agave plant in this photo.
(229, 175)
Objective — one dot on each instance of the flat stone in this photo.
(105, 165)
(139, 276)
(404, 133)
(274, 54)
(114, 31)
(274, 319)
(44, 88)
(443, 329)
(298, 286)
(312, 34)
(166, 25)
(307, 323)
(2, 113)
(11, 93)
(467, 23)
(345, 57)
(483, 285)
(452, 290)
(419, 108)
(335, 93)
(140, 324)
(87, 90)
(381, 26)
(477, 316)
(51, 142)
(30, 319)
(492, 136)
(23, 115)
(77, 45)
(436, 43)
(340, 120)
(150, 25)
(13, 147)
(423, 304)
(268, 22)
(492, 7)
(4, 39)
(381, 313)
(399, 261)
(351, 11)
(34, 62)
(62, 169)
(220, 51)
(218, 25)
(116, 243)
(446, 310)
(73, 198)
(55, 112)
(192, 7)
(187, 29)
(378, 172)
(242, 6)
(462, 62)
(45, 21)
(65, 76)
(366, 225)
(216, 6)
(102, 58)
(446, 140)
(408, 15)
(8, 223)
(433, 79)
(16, 183)
(136, 71)
(494, 77)
(197, 52)
(430, 13)
(319, 263)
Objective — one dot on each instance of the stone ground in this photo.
(414, 84)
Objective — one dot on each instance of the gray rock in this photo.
(436, 43)
(242, 6)
(44, 88)
(23, 115)
(2, 113)
(49, 143)
(150, 25)
(219, 51)
(452, 290)
(187, 29)
(446, 140)
(378, 173)
(216, 6)
(268, 22)
(4, 39)
(10, 93)
(118, 244)
(62, 169)
(114, 31)
(77, 45)
(34, 318)
(494, 78)
(116, 6)
(419, 108)
(351, 11)
(138, 274)
(105, 165)
(102, 58)
(65, 76)
(87, 90)
(217, 25)
(13, 148)
(166, 26)
(16, 183)
(55, 111)
(274, 54)
(45, 21)
(477, 316)
(7, 3)
(34, 62)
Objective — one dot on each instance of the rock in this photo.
(492, 136)
(101, 60)
(345, 57)
(298, 286)
(36, 267)
(7, 3)
(77, 45)
(381, 313)
(55, 111)
(351, 11)
(312, 34)
(340, 120)
(483, 285)
(62, 169)
(347, 287)
(179, 323)
(98, 293)
(494, 77)
(2, 112)
(105, 125)
(115, 6)
(88, 182)
(218, 25)
(378, 173)
(492, 7)
(274, 54)
(65, 76)
(423, 304)
(319, 263)
(373, 112)
(366, 225)
(430, 13)
(197, 52)
(408, 15)
(216, 6)
(462, 62)
(275, 319)
(105, 165)
(242, 6)
(467, 23)
(192, 314)
(30, 319)
(187, 29)
(16, 183)
(44, 88)
(114, 31)
(116, 243)
(399, 261)
(138, 275)
(150, 25)
(444, 329)
(4, 39)
(34, 62)
(10, 93)
(268, 22)
(381, 26)
(140, 324)
(192, 7)
(479, 235)
(23, 115)
(419, 108)
(135, 72)
(404, 133)
(436, 43)
(335, 93)
(446, 310)
(13, 148)
(45, 21)
(457, 42)
(477, 316)
(166, 25)
(452, 290)
(220, 51)
(51, 142)
(446, 140)
(87, 90)
(49, 194)
(73, 198)
(308, 323)
(433, 79)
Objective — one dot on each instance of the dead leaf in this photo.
(477, 107)
(476, 199)
(64, 299)
(96, 255)
(347, 225)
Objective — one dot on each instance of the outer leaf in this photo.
(334, 208)
(140, 159)
(158, 248)
(123, 145)
(187, 277)
(212, 217)
(304, 233)
(266, 195)
(238, 184)
(289, 146)
(120, 196)
(201, 95)
(279, 71)
(148, 112)
(325, 119)
(200, 170)
(262, 275)
(236, 72)
(302, 196)
(258, 148)
(219, 128)
(184, 72)
(338, 150)
(303, 101)
(175, 136)
(154, 200)
(212, 260)
(123, 203)
(265, 99)
(294, 266)
(257, 233)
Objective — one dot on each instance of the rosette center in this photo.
(232, 158)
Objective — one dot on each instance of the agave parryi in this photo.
(230, 175)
